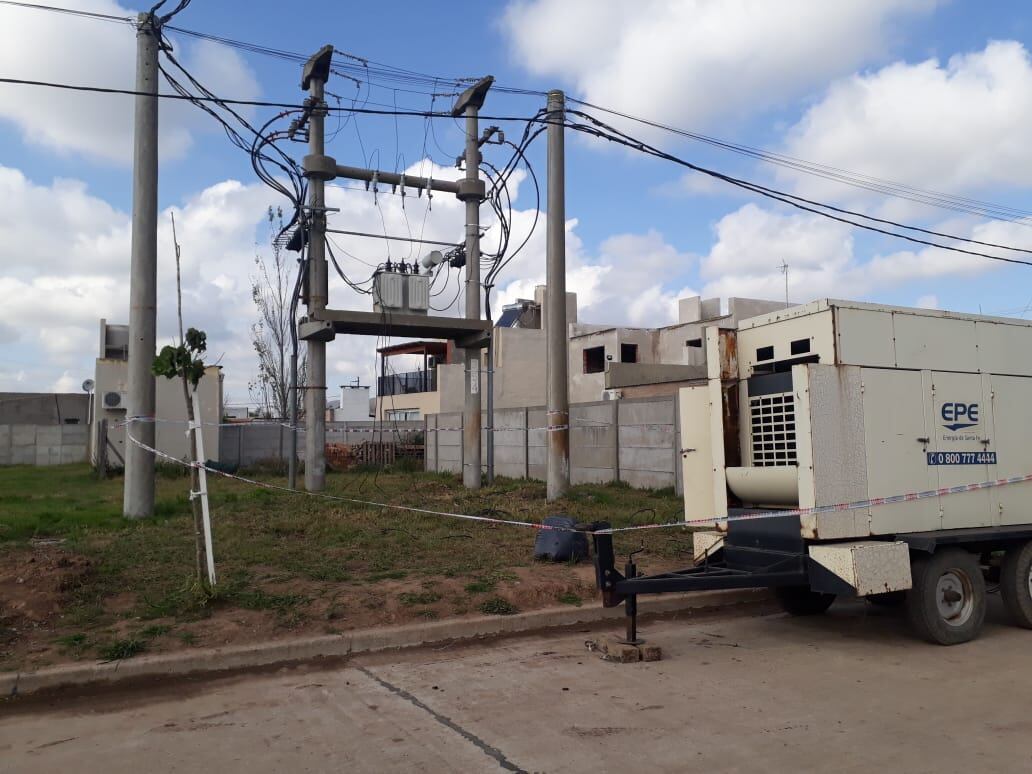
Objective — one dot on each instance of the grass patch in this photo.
(481, 586)
(497, 606)
(569, 598)
(121, 649)
(74, 644)
(485, 584)
(288, 557)
(416, 598)
(258, 599)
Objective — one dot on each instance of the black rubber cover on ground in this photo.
(556, 546)
(801, 600)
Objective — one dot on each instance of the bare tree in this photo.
(271, 289)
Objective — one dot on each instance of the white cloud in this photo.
(752, 242)
(694, 61)
(958, 126)
(89, 52)
(635, 279)
(66, 383)
(927, 302)
(64, 266)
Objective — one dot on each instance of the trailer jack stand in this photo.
(631, 609)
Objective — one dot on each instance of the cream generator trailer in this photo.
(843, 448)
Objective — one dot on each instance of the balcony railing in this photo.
(402, 384)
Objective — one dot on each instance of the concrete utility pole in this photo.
(471, 191)
(323, 324)
(490, 394)
(557, 351)
(138, 493)
(316, 72)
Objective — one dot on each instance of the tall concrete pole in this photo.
(471, 408)
(318, 288)
(557, 341)
(138, 494)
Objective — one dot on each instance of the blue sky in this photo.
(935, 95)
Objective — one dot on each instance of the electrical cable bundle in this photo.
(597, 128)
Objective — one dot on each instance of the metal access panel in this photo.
(960, 446)
(418, 295)
(1009, 398)
(934, 343)
(702, 458)
(896, 418)
(865, 337)
(388, 291)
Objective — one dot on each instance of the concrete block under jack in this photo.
(612, 649)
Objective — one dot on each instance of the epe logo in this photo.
(958, 414)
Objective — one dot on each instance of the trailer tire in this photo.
(947, 603)
(802, 600)
(1016, 584)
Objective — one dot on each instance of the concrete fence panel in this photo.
(248, 443)
(23, 444)
(593, 443)
(634, 440)
(510, 437)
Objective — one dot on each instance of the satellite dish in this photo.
(88, 385)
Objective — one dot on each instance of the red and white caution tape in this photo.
(852, 506)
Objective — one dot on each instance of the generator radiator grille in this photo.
(773, 430)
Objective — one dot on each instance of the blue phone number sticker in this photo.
(962, 458)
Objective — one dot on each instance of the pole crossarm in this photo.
(397, 179)
(394, 238)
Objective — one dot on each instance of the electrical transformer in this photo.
(842, 448)
(400, 292)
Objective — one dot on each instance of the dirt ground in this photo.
(77, 582)
(36, 630)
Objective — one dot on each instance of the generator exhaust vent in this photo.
(773, 430)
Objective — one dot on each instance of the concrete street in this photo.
(849, 692)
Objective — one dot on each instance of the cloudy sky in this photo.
(932, 95)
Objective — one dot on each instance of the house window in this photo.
(628, 353)
(401, 415)
(800, 346)
(764, 353)
(694, 343)
(594, 360)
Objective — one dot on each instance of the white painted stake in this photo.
(202, 477)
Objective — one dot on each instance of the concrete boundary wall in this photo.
(636, 441)
(249, 442)
(43, 444)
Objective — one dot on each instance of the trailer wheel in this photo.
(1016, 584)
(801, 600)
(947, 602)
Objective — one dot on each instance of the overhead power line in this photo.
(830, 207)
(601, 130)
(253, 102)
(362, 70)
(70, 11)
(614, 135)
(836, 174)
